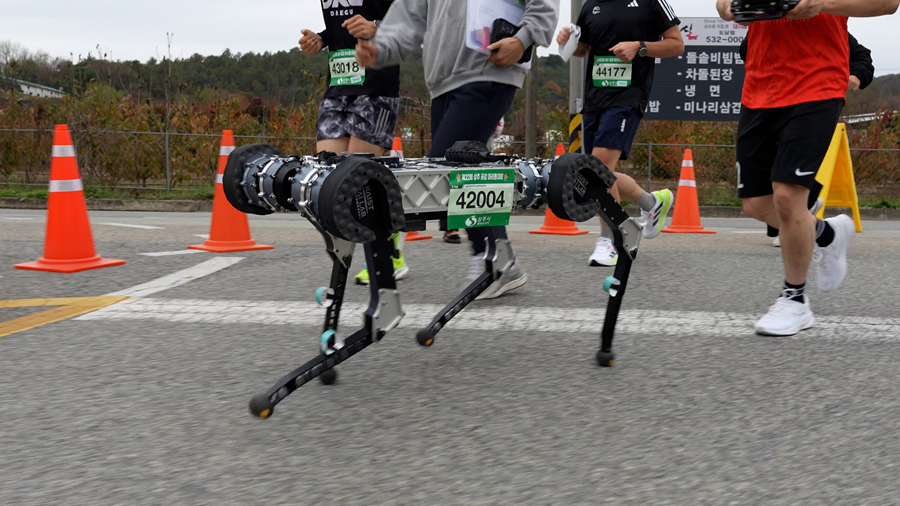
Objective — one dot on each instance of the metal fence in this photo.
(161, 162)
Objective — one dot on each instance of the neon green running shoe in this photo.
(400, 268)
(656, 218)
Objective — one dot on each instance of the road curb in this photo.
(166, 206)
(205, 205)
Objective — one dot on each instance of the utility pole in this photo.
(576, 82)
(531, 110)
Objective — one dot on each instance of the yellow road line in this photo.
(40, 302)
(75, 307)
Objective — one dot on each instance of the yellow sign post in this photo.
(575, 134)
(836, 177)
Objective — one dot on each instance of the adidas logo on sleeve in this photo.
(633, 4)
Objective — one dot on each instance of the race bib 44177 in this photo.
(345, 71)
(611, 72)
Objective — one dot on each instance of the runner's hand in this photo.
(724, 8)
(366, 53)
(509, 51)
(626, 51)
(806, 9)
(311, 43)
(359, 27)
(854, 83)
(563, 36)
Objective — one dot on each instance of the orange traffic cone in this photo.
(414, 236)
(69, 245)
(686, 218)
(229, 230)
(560, 150)
(397, 150)
(557, 226)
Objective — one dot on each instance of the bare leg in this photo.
(625, 186)
(610, 158)
(786, 210)
(358, 145)
(339, 145)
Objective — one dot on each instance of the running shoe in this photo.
(605, 254)
(654, 219)
(831, 261)
(401, 270)
(513, 278)
(786, 317)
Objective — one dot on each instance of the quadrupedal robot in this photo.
(362, 199)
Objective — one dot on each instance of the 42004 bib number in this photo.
(480, 198)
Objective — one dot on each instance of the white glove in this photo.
(566, 52)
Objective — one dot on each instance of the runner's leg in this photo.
(339, 145)
(358, 145)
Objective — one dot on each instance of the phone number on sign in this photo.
(717, 39)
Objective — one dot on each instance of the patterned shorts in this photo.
(371, 119)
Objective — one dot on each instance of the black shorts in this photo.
(371, 119)
(786, 144)
(612, 128)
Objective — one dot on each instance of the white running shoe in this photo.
(605, 254)
(655, 219)
(777, 241)
(513, 278)
(831, 261)
(786, 317)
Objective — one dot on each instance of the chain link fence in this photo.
(146, 162)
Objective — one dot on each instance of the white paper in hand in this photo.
(566, 52)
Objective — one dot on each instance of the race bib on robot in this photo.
(480, 198)
(611, 72)
(345, 71)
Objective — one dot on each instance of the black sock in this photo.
(771, 231)
(824, 233)
(798, 294)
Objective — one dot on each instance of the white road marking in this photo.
(12, 218)
(170, 253)
(503, 318)
(204, 236)
(748, 231)
(145, 227)
(178, 278)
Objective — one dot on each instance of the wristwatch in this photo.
(643, 50)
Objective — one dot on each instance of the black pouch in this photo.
(503, 29)
(759, 10)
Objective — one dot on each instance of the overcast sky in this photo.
(137, 29)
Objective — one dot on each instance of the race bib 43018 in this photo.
(611, 72)
(345, 71)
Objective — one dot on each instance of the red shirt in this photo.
(792, 61)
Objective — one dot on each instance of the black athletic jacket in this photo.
(384, 82)
(860, 61)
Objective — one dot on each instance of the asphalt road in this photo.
(145, 401)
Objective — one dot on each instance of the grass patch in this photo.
(880, 204)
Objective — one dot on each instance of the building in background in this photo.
(31, 89)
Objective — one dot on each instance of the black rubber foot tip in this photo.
(605, 359)
(261, 406)
(425, 337)
(328, 377)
